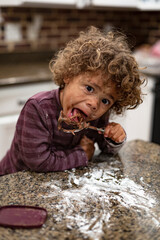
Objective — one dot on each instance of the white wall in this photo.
(138, 122)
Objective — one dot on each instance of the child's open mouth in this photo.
(76, 119)
(77, 115)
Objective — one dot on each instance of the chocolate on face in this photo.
(77, 125)
(77, 121)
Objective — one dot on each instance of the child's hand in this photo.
(88, 146)
(115, 132)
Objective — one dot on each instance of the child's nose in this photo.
(93, 103)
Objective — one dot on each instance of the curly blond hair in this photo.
(109, 53)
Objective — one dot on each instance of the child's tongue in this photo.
(77, 113)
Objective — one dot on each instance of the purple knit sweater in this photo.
(39, 146)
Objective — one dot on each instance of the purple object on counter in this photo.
(16, 216)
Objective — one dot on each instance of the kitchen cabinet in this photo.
(56, 3)
(12, 99)
(7, 128)
(150, 5)
(115, 3)
(7, 3)
(143, 5)
(37, 3)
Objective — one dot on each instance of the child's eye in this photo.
(89, 88)
(105, 101)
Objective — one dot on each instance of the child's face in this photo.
(86, 94)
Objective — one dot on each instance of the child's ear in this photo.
(66, 80)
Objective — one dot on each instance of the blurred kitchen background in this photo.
(32, 31)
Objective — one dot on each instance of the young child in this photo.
(97, 75)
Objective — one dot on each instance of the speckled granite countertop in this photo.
(114, 198)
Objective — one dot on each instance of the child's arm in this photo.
(88, 146)
(34, 143)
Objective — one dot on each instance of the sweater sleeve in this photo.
(109, 146)
(36, 150)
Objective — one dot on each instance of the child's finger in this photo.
(107, 130)
(110, 130)
(119, 137)
(100, 132)
(115, 132)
